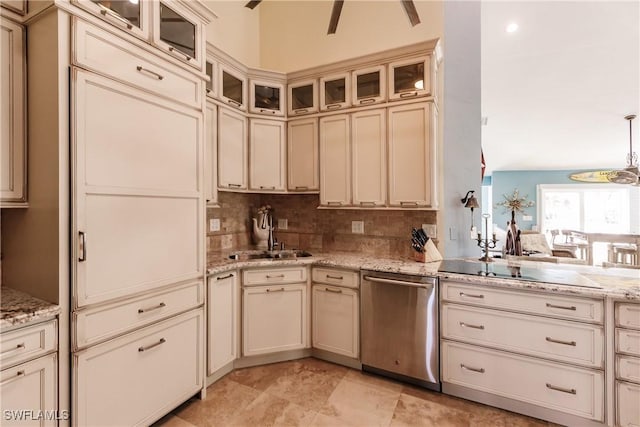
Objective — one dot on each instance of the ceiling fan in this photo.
(408, 6)
(630, 174)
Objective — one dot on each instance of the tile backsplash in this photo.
(387, 233)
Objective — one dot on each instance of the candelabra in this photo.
(486, 244)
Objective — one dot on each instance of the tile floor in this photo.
(311, 392)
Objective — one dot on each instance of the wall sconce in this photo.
(470, 201)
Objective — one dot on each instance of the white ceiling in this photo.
(556, 91)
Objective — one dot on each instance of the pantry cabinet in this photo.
(267, 155)
(335, 161)
(302, 159)
(223, 307)
(369, 151)
(232, 150)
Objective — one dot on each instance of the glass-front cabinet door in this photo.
(232, 87)
(334, 92)
(210, 69)
(303, 97)
(368, 85)
(410, 78)
(266, 98)
(178, 31)
(128, 15)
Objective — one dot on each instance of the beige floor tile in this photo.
(412, 411)
(374, 381)
(172, 421)
(268, 410)
(261, 377)
(322, 420)
(489, 416)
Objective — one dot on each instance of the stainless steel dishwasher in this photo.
(399, 327)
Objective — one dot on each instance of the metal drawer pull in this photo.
(263, 110)
(276, 290)
(333, 106)
(18, 374)
(479, 370)
(145, 310)
(466, 325)
(301, 187)
(11, 350)
(83, 246)
(232, 102)
(178, 53)
(408, 203)
(153, 73)
(104, 11)
(408, 94)
(571, 343)
(367, 203)
(300, 110)
(235, 185)
(228, 276)
(335, 291)
(334, 203)
(399, 282)
(277, 276)
(564, 390)
(262, 187)
(334, 277)
(367, 101)
(462, 294)
(572, 308)
(149, 347)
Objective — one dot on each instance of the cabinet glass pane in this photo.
(209, 67)
(231, 87)
(302, 97)
(177, 31)
(408, 77)
(123, 8)
(267, 97)
(335, 91)
(368, 85)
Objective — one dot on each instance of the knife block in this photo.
(430, 254)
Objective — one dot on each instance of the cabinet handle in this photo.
(232, 102)
(18, 375)
(262, 110)
(572, 308)
(301, 187)
(262, 187)
(19, 347)
(328, 276)
(301, 110)
(367, 203)
(235, 185)
(276, 290)
(153, 73)
(178, 53)
(333, 106)
(562, 389)
(228, 276)
(466, 325)
(462, 294)
(571, 343)
(408, 94)
(479, 370)
(368, 101)
(149, 347)
(277, 276)
(157, 307)
(334, 203)
(335, 291)
(108, 12)
(408, 203)
(83, 246)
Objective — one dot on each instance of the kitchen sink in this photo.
(272, 255)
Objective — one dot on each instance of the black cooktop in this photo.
(503, 271)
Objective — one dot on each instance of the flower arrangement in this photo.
(515, 203)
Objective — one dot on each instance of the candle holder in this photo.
(486, 244)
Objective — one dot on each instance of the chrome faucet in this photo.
(272, 242)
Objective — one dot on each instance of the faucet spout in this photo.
(271, 241)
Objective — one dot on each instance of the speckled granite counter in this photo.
(17, 308)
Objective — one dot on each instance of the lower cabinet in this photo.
(627, 361)
(628, 406)
(223, 311)
(335, 320)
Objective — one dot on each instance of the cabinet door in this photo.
(303, 155)
(127, 15)
(223, 302)
(211, 154)
(267, 154)
(411, 78)
(233, 87)
(179, 32)
(303, 97)
(266, 98)
(212, 85)
(232, 150)
(335, 161)
(627, 408)
(12, 109)
(274, 319)
(412, 153)
(368, 85)
(335, 320)
(369, 151)
(30, 387)
(335, 92)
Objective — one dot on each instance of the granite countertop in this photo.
(597, 282)
(17, 308)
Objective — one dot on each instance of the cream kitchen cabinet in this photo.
(266, 97)
(133, 17)
(411, 78)
(179, 31)
(232, 150)
(412, 155)
(232, 88)
(211, 69)
(13, 185)
(267, 155)
(18, 6)
(627, 362)
(303, 97)
(368, 85)
(211, 154)
(302, 159)
(223, 320)
(335, 92)
(335, 161)
(369, 158)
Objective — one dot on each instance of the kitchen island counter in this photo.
(19, 308)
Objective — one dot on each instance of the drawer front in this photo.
(268, 276)
(101, 51)
(549, 305)
(628, 315)
(536, 336)
(157, 367)
(555, 386)
(101, 323)
(627, 408)
(628, 341)
(27, 343)
(628, 368)
(330, 276)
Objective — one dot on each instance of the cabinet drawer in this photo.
(628, 341)
(270, 276)
(628, 368)
(28, 343)
(549, 305)
(555, 386)
(627, 408)
(103, 52)
(330, 276)
(628, 315)
(536, 336)
(157, 367)
(101, 323)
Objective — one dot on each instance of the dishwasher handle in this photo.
(398, 282)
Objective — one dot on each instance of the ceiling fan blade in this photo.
(252, 4)
(412, 13)
(335, 16)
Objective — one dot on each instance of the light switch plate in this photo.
(453, 233)
(527, 218)
(214, 224)
(431, 230)
(283, 223)
(357, 227)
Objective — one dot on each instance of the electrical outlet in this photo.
(453, 233)
(214, 224)
(527, 218)
(431, 230)
(357, 227)
(283, 223)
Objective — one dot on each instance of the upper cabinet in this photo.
(266, 98)
(335, 92)
(369, 85)
(232, 87)
(410, 78)
(232, 150)
(17, 6)
(303, 97)
(210, 68)
(179, 32)
(130, 16)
